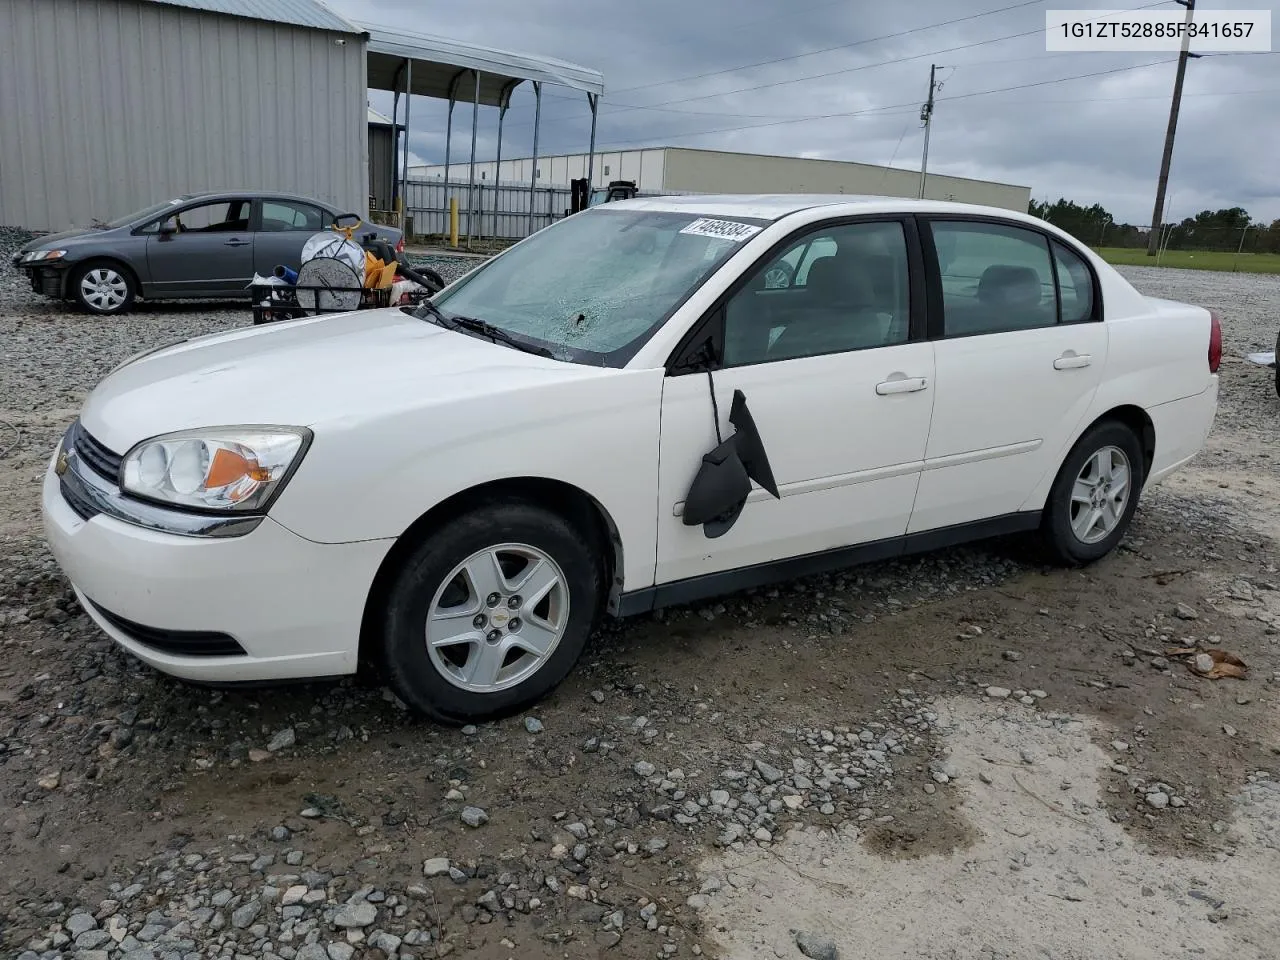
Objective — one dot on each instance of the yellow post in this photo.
(453, 222)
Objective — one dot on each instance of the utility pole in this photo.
(1153, 240)
(926, 117)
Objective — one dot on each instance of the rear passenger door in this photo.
(1020, 347)
(283, 227)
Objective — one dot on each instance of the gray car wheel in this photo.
(103, 287)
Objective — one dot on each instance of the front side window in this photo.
(847, 288)
(221, 217)
(593, 287)
(995, 278)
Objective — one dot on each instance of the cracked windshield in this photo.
(597, 283)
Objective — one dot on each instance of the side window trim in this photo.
(933, 270)
(1057, 281)
(197, 204)
(1095, 301)
(686, 358)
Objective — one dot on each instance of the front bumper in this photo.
(186, 604)
(48, 279)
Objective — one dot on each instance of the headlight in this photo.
(32, 256)
(221, 468)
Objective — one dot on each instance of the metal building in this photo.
(384, 141)
(107, 106)
(685, 170)
(111, 105)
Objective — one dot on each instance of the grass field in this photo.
(1192, 260)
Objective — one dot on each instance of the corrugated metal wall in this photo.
(109, 105)
(382, 164)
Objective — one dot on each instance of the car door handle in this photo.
(236, 242)
(902, 385)
(1072, 361)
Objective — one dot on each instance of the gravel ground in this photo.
(646, 808)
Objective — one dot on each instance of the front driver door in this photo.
(837, 375)
(202, 250)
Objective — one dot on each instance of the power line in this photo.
(839, 46)
(888, 107)
(626, 108)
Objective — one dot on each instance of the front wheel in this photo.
(1095, 495)
(490, 612)
(103, 288)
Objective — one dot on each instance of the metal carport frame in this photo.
(410, 63)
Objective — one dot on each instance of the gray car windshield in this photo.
(593, 287)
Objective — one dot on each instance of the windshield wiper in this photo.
(496, 334)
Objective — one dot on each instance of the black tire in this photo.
(1059, 537)
(110, 268)
(406, 664)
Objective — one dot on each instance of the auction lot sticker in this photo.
(722, 229)
(1155, 31)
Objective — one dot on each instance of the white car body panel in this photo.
(854, 486)
(375, 378)
(405, 415)
(1001, 416)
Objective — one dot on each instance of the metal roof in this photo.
(296, 13)
(444, 68)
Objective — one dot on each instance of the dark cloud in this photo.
(1096, 138)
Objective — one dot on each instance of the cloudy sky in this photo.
(731, 74)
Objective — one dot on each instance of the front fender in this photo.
(372, 477)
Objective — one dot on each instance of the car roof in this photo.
(771, 207)
(268, 194)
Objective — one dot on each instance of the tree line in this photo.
(1219, 230)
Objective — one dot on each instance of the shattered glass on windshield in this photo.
(592, 287)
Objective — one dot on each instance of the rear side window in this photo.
(995, 278)
(1075, 285)
(279, 216)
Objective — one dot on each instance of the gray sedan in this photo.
(199, 245)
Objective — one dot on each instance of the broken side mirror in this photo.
(722, 484)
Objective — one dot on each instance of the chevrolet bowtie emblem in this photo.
(60, 467)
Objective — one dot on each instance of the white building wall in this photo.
(107, 106)
(643, 166)
(681, 170)
(714, 171)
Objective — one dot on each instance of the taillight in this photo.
(1215, 342)
(400, 244)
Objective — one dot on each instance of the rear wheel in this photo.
(1093, 500)
(490, 612)
(103, 287)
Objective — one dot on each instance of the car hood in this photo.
(342, 367)
(54, 239)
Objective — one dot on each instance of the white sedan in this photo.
(650, 402)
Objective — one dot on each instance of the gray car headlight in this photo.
(34, 256)
(219, 468)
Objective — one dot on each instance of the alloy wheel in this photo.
(497, 618)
